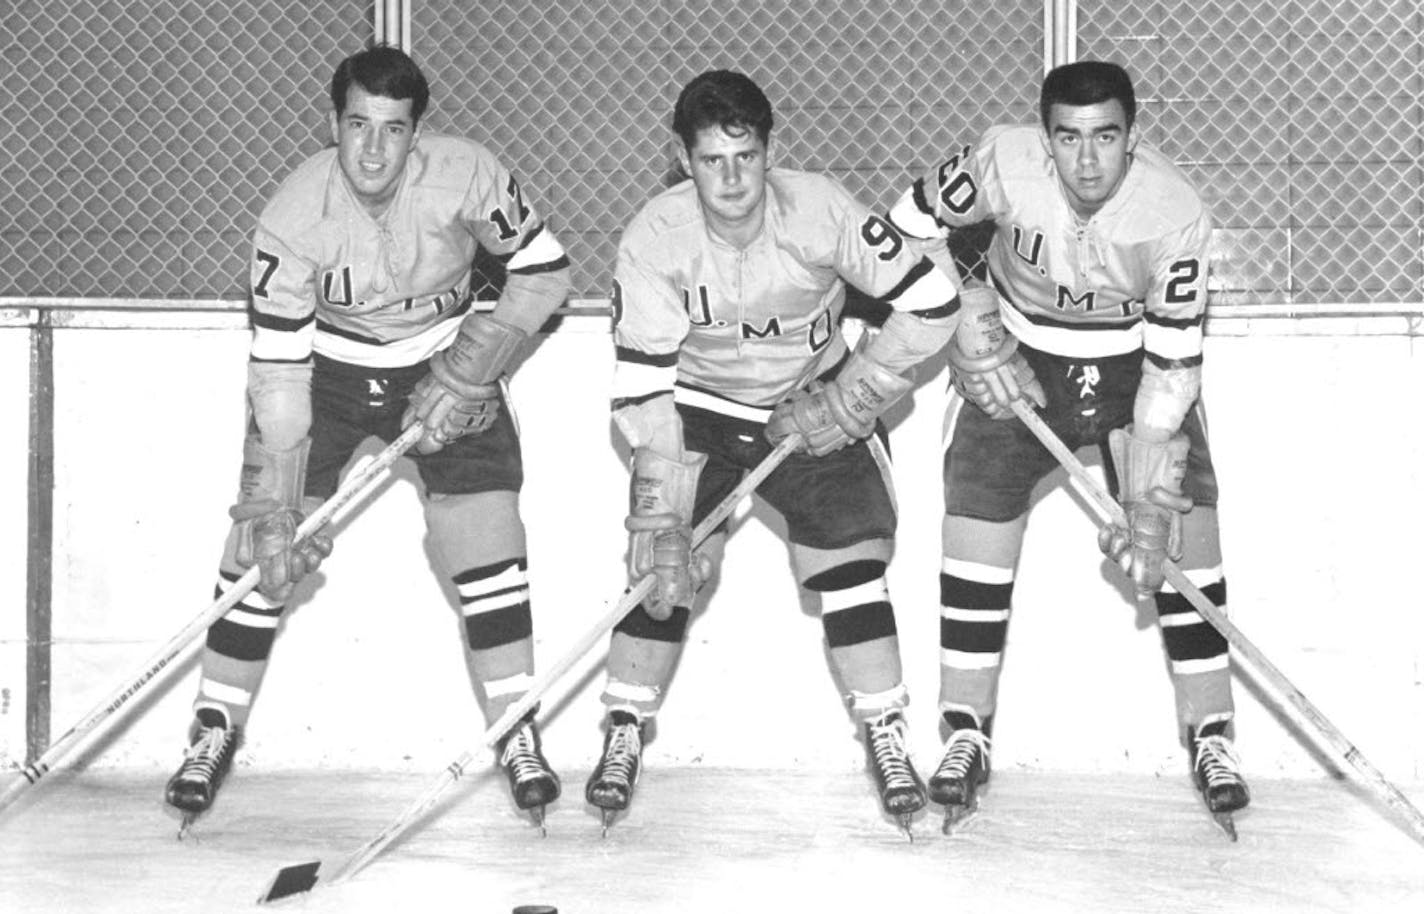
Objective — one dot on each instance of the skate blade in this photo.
(608, 815)
(1226, 823)
(957, 818)
(185, 825)
(537, 814)
(905, 820)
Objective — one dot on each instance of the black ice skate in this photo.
(902, 793)
(963, 770)
(610, 787)
(206, 761)
(1217, 772)
(532, 783)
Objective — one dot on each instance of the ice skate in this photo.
(963, 770)
(206, 761)
(1216, 770)
(532, 783)
(902, 793)
(610, 787)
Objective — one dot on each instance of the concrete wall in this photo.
(1317, 455)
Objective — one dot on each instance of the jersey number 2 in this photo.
(1182, 287)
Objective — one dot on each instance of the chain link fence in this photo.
(1300, 122)
(577, 97)
(140, 140)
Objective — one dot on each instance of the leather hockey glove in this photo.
(660, 527)
(266, 517)
(460, 396)
(1150, 488)
(832, 414)
(985, 365)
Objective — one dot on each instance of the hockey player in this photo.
(727, 295)
(362, 324)
(1099, 259)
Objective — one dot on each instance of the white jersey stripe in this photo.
(689, 397)
(283, 345)
(638, 379)
(932, 290)
(1075, 342)
(1178, 343)
(910, 219)
(544, 248)
(395, 354)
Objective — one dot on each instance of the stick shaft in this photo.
(356, 488)
(1110, 511)
(456, 769)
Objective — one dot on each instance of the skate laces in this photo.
(1217, 761)
(964, 746)
(521, 755)
(625, 745)
(203, 756)
(887, 747)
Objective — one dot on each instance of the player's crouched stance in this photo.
(728, 292)
(829, 415)
(362, 325)
(1100, 258)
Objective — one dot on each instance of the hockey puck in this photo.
(535, 909)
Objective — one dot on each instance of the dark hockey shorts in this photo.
(351, 403)
(828, 502)
(991, 467)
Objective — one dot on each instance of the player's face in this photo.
(1091, 147)
(729, 171)
(374, 136)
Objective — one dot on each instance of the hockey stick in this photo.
(303, 877)
(1110, 511)
(355, 489)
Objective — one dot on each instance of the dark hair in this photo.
(721, 98)
(1087, 82)
(385, 71)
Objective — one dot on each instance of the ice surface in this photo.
(704, 840)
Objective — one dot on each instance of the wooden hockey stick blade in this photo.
(292, 880)
(304, 877)
(1316, 723)
(358, 485)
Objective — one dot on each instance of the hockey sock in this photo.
(974, 622)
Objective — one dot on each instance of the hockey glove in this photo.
(1150, 481)
(266, 517)
(460, 396)
(660, 524)
(831, 415)
(985, 365)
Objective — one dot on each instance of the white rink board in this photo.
(14, 487)
(1318, 532)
